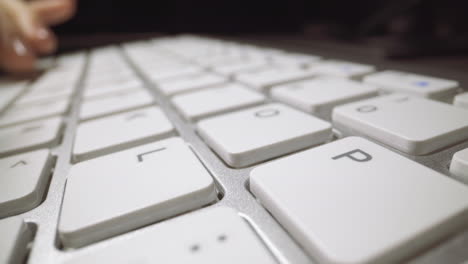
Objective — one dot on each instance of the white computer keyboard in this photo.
(194, 150)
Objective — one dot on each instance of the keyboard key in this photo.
(352, 201)
(320, 95)
(461, 100)
(24, 113)
(224, 98)
(29, 136)
(38, 96)
(295, 59)
(249, 136)
(23, 182)
(414, 84)
(459, 164)
(9, 90)
(119, 192)
(107, 89)
(14, 240)
(209, 237)
(189, 83)
(116, 103)
(342, 69)
(171, 71)
(117, 132)
(413, 125)
(265, 77)
(239, 66)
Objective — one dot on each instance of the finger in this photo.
(16, 57)
(52, 12)
(44, 41)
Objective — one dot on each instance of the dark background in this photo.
(402, 28)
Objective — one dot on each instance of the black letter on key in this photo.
(140, 156)
(366, 157)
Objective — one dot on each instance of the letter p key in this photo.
(356, 155)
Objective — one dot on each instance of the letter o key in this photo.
(366, 109)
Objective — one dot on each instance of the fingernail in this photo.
(42, 33)
(19, 47)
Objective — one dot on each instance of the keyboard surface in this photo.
(198, 150)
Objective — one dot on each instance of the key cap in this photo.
(459, 164)
(109, 134)
(414, 84)
(115, 103)
(189, 83)
(35, 96)
(352, 201)
(224, 98)
(461, 100)
(9, 90)
(242, 65)
(342, 69)
(202, 237)
(119, 192)
(320, 95)
(413, 125)
(174, 71)
(104, 90)
(265, 77)
(302, 60)
(249, 136)
(14, 240)
(24, 113)
(29, 136)
(23, 181)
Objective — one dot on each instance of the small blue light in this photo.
(422, 83)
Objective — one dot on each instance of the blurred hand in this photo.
(25, 33)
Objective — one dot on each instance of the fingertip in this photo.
(44, 41)
(17, 58)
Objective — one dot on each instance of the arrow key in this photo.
(23, 181)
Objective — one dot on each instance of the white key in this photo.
(342, 69)
(174, 71)
(23, 181)
(352, 201)
(24, 113)
(14, 240)
(239, 66)
(249, 136)
(189, 83)
(200, 104)
(413, 125)
(101, 91)
(28, 136)
(116, 103)
(38, 96)
(414, 84)
(320, 95)
(121, 78)
(459, 164)
(9, 90)
(265, 77)
(149, 183)
(25, 100)
(461, 100)
(208, 237)
(117, 132)
(297, 59)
